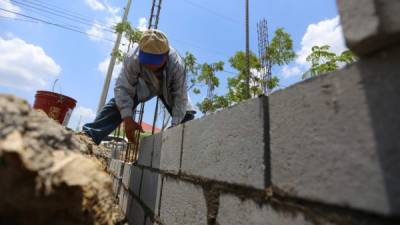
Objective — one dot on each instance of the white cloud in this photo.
(326, 32)
(290, 71)
(25, 66)
(142, 24)
(85, 113)
(96, 33)
(80, 116)
(100, 32)
(103, 67)
(7, 5)
(95, 5)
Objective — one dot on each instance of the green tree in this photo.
(208, 77)
(192, 71)
(323, 61)
(279, 52)
(132, 34)
(237, 84)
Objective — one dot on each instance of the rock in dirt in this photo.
(47, 175)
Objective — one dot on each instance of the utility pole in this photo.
(112, 61)
(247, 52)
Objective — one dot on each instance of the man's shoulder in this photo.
(132, 58)
(174, 58)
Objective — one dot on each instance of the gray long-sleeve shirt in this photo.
(135, 81)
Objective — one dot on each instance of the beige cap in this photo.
(154, 42)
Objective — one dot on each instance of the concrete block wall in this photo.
(323, 151)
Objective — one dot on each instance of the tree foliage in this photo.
(208, 78)
(280, 51)
(323, 61)
(132, 34)
(237, 84)
(192, 69)
(204, 75)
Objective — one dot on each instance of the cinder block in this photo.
(146, 151)
(117, 168)
(156, 150)
(111, 165)
(115, 185)
(135, 180)
(228, 145)
(126, 177)
(370, 25)
(335, 138)
(136, 213)
(151, 190)
(124, 200)
(169, 157)
(233, 210)
(114, 165)
(182, 203)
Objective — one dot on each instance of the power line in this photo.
(68, 17)
(18, 19)
(37, 20)
(54, 19)
(212, 11)
(60, 9)
(55, 24)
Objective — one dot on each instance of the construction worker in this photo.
(153, 68)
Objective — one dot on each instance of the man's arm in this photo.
(179, 91)
(125, 91)
(125, 87)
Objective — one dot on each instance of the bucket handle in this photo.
(61, 97)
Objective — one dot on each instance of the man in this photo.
(151, 69)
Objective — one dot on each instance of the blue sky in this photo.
(33, 54)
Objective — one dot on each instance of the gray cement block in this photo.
(182, 203)
(233, 210)
(370, 25)
(151, 189)
(124, 200)
(136, 213)
(146, 151)
(336, 138)
(135, 180)
(115, 185)
(117, 167)
(126, 177)
(156, 150)
(228, 145)
(170, 153)
(111, 166)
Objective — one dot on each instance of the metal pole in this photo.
(112, 61)
(247, 52)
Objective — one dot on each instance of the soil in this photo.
(48, 174)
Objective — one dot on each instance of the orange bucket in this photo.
(57, 106)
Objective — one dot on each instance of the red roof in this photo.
(148, 128)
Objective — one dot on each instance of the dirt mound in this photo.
(47, 174)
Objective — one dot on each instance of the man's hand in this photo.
(130, 127)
